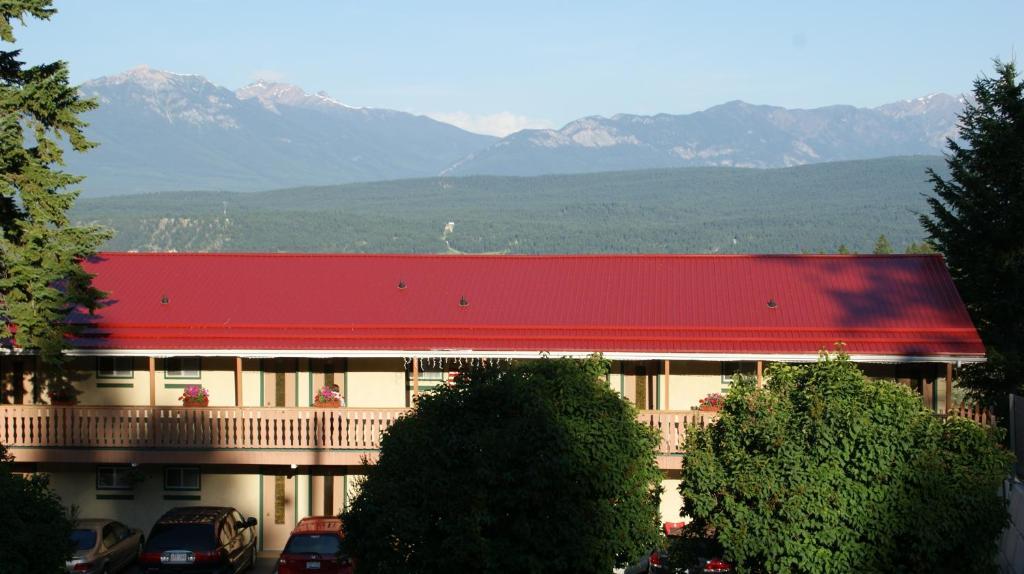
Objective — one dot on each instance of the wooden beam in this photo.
(152, 381)
(949, 387)
(667, 369)
(238, 381)
(928, 392)
(760, 374)
(415, 377)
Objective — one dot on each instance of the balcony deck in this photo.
(236, 435)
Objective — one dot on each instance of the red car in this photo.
(315, 546)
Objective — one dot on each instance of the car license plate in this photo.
(312, 565)
(176, 558)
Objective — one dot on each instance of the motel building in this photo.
(262, 332)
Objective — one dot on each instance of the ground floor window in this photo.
(182, 478)
(114, 478)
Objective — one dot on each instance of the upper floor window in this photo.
(114, 368)
(182, 368)
(733, 368)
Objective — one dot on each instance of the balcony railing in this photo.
(180, 428)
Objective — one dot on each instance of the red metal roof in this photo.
(648, 304)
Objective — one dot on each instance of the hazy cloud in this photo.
(499, 124)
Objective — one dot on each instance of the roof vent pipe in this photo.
(463, 302)
(772, 304)
(401, 284)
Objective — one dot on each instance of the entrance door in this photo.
(278, 518)
(279, 377)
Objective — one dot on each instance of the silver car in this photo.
(103, 546)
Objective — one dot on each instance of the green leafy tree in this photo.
(976, 220)
(843, 249)
(825, 470)
(35, 528)
(41, 281)
(534, 467)
(882, 246)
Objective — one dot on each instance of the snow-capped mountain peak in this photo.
(272, 94)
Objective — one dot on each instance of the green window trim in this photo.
(115, 496)
(181, 385)
(115, 385)
(112, 373)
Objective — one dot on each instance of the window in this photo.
(110, 538)
(181, 368)
(730, 369)
(114, 368)
(182, 478)
(114, 478)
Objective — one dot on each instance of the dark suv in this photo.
(200, 539)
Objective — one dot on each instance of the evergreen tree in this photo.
(976, 221)
(922, 248)
(41, 281)
(843, 249)
(882, 246)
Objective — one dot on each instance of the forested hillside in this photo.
(689, 210)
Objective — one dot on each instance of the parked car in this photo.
(103, 545)
(315, 546)
(200, 539)
(658, 561)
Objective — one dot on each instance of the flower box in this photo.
(711, 403)
(195, 396)
(327, 397)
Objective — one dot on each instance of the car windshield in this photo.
(180, 537)
(313, 544)
(83, 539)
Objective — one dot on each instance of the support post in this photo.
(666, 368)
(760, 374)
(238, 381)
(415, 377)
(152, 381)
(949, 387)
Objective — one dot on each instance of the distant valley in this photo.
(812, 208)
(168, 132)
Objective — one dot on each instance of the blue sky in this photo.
(500, 66)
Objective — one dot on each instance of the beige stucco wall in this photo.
(78, 487)
(376, 383)
(217, 375)
(671, 501)
(691, 381)
(111, 391)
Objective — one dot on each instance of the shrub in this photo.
(827, 471)
(537, 467)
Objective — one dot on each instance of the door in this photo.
(278, 510)
(643, 388)
(279, 382)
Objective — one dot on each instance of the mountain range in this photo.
(165, 132)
